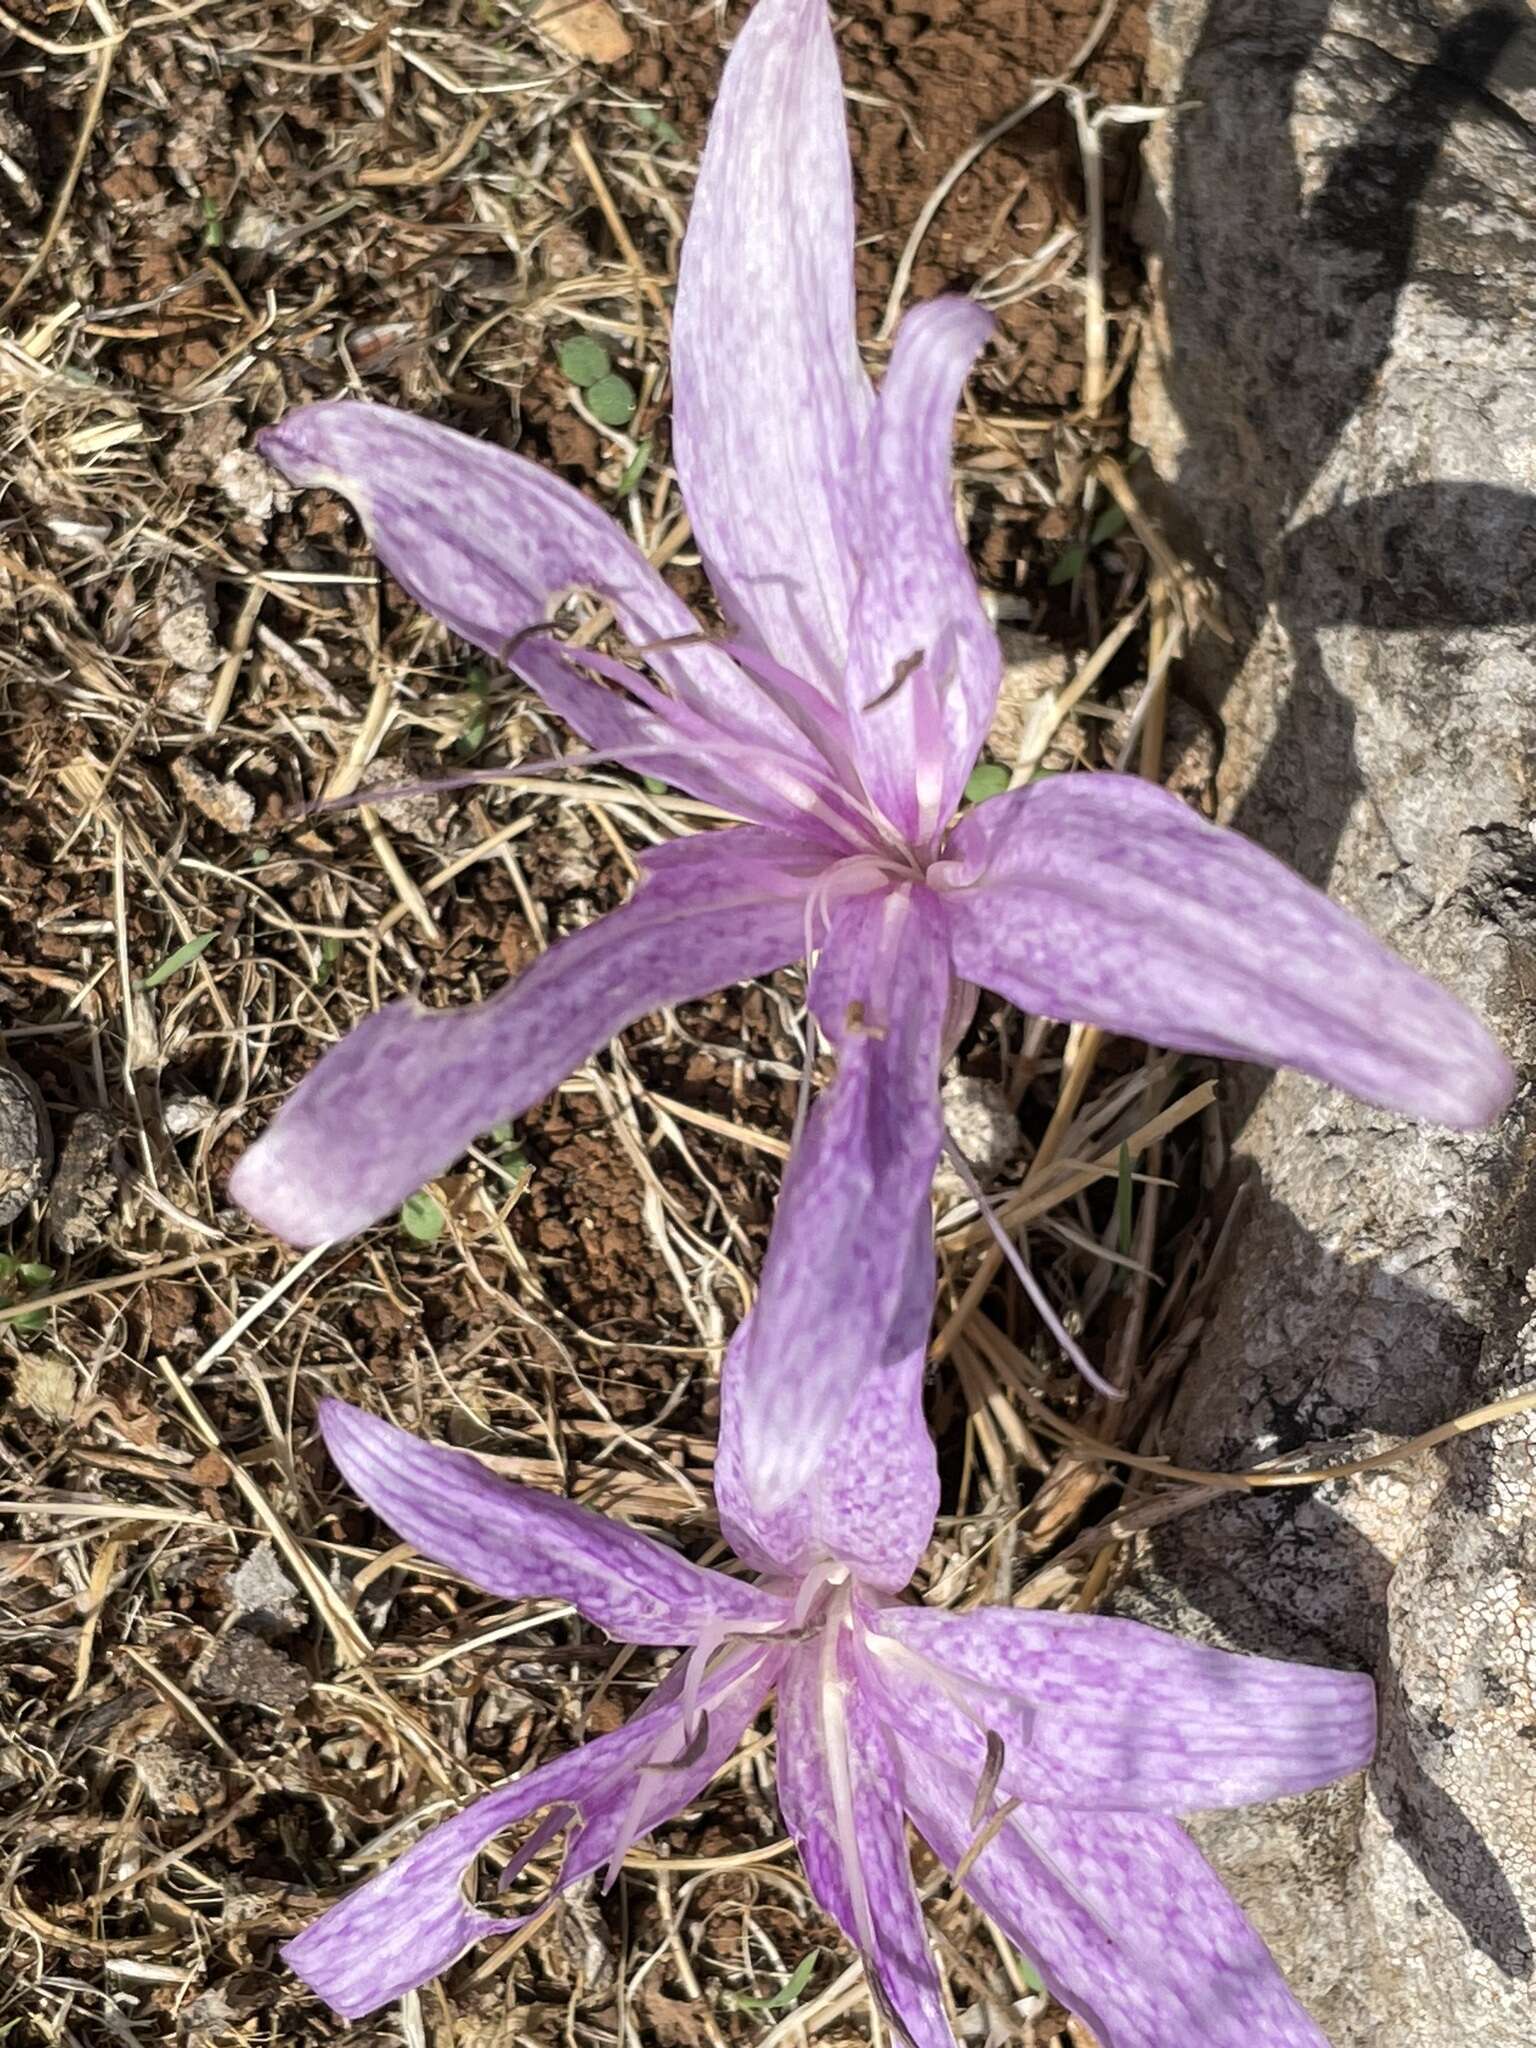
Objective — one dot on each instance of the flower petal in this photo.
(923, 661)
(769, 398)
(839, 1791)
(412, 1921)
(1121, 1915)
(1102, 899)
(871, 1502)
(398, 1100)
(1098, 1712)
(847, 1283)
(488, 542)
(527, 1545)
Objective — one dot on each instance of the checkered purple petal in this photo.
(526, 1545)
(923, 662)
(839, 1791)
(1119, 1913)
(1102, 899)
(1097, 1712)
(847, 1283)
(769, 397)
(413, 1920)
(398, 1100)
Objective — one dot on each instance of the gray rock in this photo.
(1338, 402)
(85, 1189)
(263, 1595)
(26, 1142)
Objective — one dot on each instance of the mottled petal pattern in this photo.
(871, 1502)
(413, 1920)
(398, 1100)
(848, 1278)
(769, 397)
(527, 1545)
(489, 543)
(923, 660)
(838, 1792)
(1121, 1916)
(1102, 899)
(1099, 1712)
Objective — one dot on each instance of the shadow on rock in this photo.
(1285, 269)
(1286, 1572)
(1287, 305)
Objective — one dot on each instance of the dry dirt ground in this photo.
(224, 1694)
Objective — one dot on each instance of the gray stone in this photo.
(26, 1142)
(84, 1195)
(1338, 400)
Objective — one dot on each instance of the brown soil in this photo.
(923, 84)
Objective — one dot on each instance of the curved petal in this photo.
(1098, 1712)
(848, 1275)
(869, 1505)
(1121, 1915)
(923, 659)
(413, 1920)
(398, 1100)
(1102, 899)
(839, 1792)
(527, 1545)
(769, 398)
(487, 542)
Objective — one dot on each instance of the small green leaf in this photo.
(213, 225)
(330, 953)
(584, 360)
(503, 1133)
(1068, 564)
(183, 956)
(634, 469)
(1109, 522)
(34, 1274)
(34, 1319)
(421, 1218)
(656, 788)
(1030, 1974)
(987, 778)
(9, 1267)
(612, 400)
(788, 1992)
(1123, 1203)
(476, 714)
(657, 124)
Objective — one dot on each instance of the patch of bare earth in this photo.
(224, 1693)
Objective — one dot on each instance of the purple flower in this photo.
(840, 724)
(1040, 1755)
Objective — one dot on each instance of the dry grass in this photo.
(225, 1695)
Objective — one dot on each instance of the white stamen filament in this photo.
(1026, 1278)
(631, 1825)
(832, 1705)
(886, 1650)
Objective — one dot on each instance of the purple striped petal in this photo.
(527, 1545)
(923, 663)
(839, 1794)
(487, 542)
(871, 1502)
(769, 398)
(1098, 1712)
(412, 1921)
(398, 1100)
(1121, 1916)
(848, 1276)
(1102, 899)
